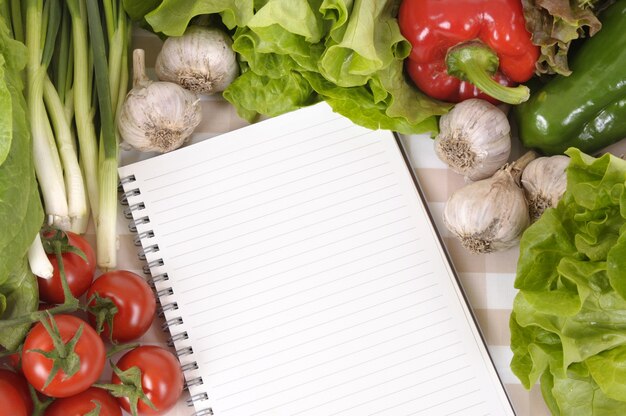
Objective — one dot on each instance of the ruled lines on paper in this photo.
(307, 281)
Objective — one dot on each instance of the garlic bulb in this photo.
(474, 139)
(544, 181)
(157, 116)
(490, 214)
(202, 60)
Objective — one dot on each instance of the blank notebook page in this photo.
(308, 276)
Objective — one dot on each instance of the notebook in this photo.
(300, 274)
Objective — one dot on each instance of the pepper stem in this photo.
(475, 62)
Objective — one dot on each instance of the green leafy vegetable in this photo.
(568, 325)
(6, 128)
(256, 93)
(555, 24)
(20, 301)
(297, 52)
(137, 9)
(173, 16)
(20, 207)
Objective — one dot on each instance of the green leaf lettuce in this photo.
(296, 52)
(568, 325)
(21, 213)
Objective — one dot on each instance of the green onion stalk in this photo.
(59, 96)
(47, 160)
(100, 69)
(82, 93)
(17, 25)
(77, 78)
(109, 83)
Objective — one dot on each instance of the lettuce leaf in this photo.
(555, 24)
(20, 206)
(257, 94)
(23, 299)
(6, 128)
(296, 52)
(137, 9)
(568, 324)
(172, 17)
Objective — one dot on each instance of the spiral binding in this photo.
(141, 236)
(151, 265)
(132, 213)
(128, 212)
(184, 351)
(181, 336)
(150, 249)
(172, 306)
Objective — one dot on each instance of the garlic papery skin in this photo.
(202, 60)
(544, 180)
(157, 116)
(491, 214)
(474, 139)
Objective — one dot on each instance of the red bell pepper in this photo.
(468, 48)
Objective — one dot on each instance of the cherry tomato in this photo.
(14, 361)
(11, 401)
(161, 378)
(85, 402)
(89, 349)
(134, 300)
(78, 272)
(20, 385)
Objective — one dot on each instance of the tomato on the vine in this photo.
(161, 378)
(88, 348)
(11, 400)
(14, 361)
(78, 272)
(85, 402)
(132, 297)
(18, 382)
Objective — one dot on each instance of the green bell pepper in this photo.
(587, 109)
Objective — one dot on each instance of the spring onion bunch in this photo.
(76, 77)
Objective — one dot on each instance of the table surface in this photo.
(487, 279)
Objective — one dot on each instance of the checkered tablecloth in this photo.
(487, 279)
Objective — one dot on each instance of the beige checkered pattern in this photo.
(487, 279)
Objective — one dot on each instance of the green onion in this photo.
(76, 198)
(77, 78)
(107, 212)
(83, 112)
(16, 20)
(47, 161)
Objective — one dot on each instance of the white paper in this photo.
(308, 275)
